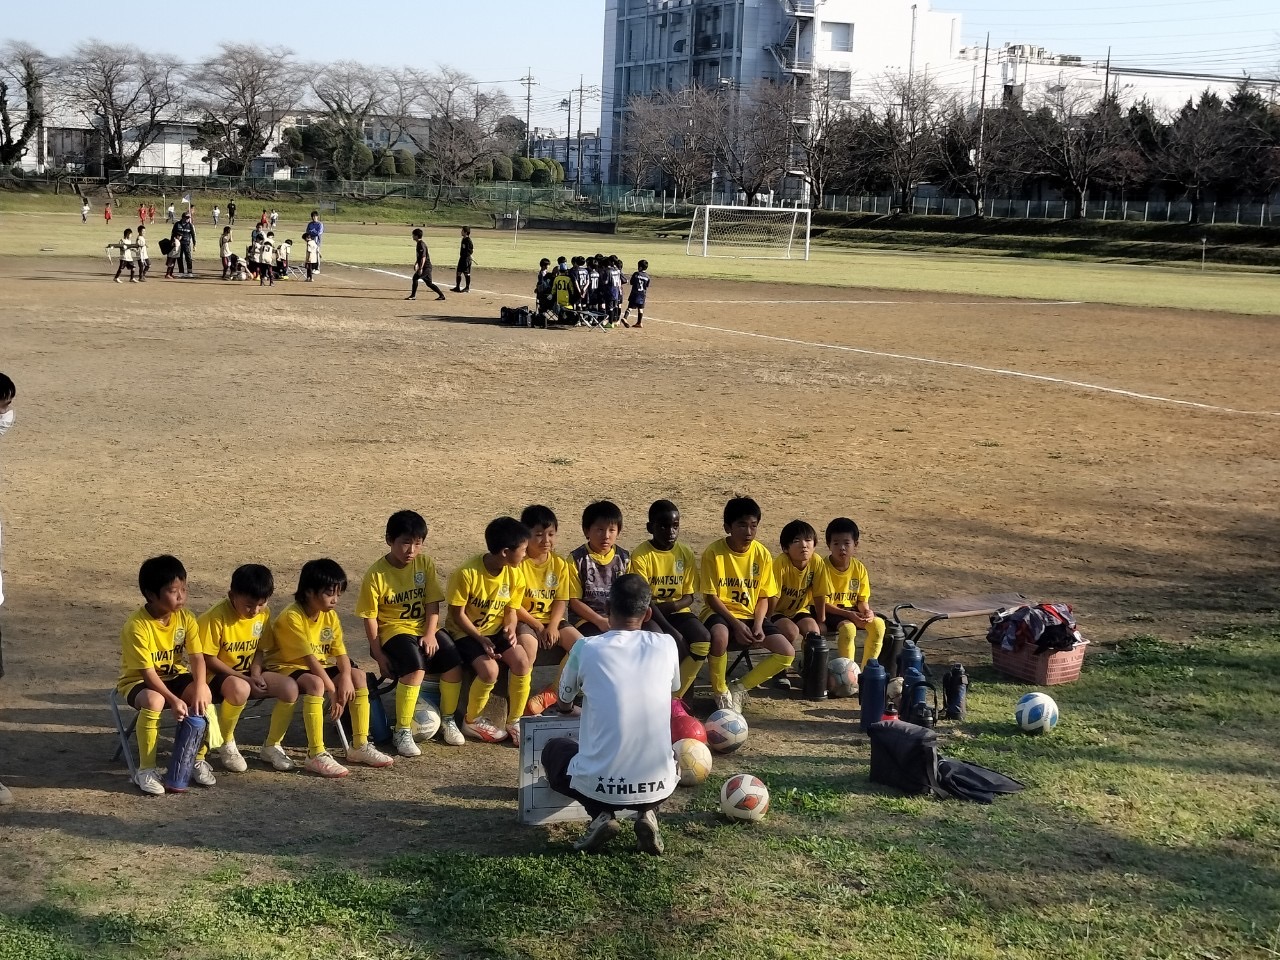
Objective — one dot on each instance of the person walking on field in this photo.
(422, 268)
(231, 212)
(184, 235)
(465, 249)
(84, 211)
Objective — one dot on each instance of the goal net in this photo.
(765, 232)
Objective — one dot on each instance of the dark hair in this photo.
(560, 259)
(315, 213)
(661, 507)
(797, 530)
(406, 523)
(158, 572)
(505, 533)
(254, 581)
(128, 232)
(466, 231)
(544, 262)
(320, 576)
(630, 596)
(417, 234)
(7, 390)
(605, 510)
(536, 515)
(643, 265)
(740, 507)
(841, 525)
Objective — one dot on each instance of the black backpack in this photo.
(905, 756)
(516, 316)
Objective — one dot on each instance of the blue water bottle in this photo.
(911, 657)
(871, 691)
(186, 741)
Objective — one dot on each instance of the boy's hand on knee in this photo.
(201, 698)
(179, 708)
(742, 634)
(430, 645)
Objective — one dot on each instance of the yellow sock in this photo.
(773, 664)
(360, 718)
(450, 694)
(478, 698)
(690, 665)
(281, 717)
(148, 732)
(719, 667)
(874, 642)
(847, 639)
(313, 720)
(406, 700)
(517, 695)
(228, 717)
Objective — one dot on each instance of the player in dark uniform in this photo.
(639, 292)
(422, 268)
(465, 249)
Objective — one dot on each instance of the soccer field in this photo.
(1118, 456)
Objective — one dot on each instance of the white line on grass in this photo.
(910, 303)
(998, 371)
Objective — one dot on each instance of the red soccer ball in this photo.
(687, 728)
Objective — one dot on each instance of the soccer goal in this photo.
(778, 233)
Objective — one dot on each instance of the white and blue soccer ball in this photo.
(426, 720)
(1036, 713)
(726, 731)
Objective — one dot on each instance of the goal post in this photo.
(778, 233)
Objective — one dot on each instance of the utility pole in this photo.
(911, 61)
(568, 127)
(1106, 84)
(982, 131)
(528, 82)
(578, 179)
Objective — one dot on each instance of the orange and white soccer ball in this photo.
(744, 797)
(693, 761)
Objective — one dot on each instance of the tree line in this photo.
(912, 131)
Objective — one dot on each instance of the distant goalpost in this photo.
(776, 233)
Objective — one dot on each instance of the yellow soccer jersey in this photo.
(671, 574)
(843, 588)
(795, 586)
(397, 597)
(484, 597)
(544, 584)
(295, 636)
(231, 638)
(147, 642)
(740, 580)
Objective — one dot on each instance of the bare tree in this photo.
(823, 128)
(671, 132)
(973, 150)
(751, 135)
(23, 72)
(127, 95)
(1072, 137)
(466, 130)
(1197, 149)
(243, 93)
(902, 140)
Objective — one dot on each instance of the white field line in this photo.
(908, 303)
(933, 361)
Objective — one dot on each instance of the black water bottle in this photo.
(817, 653)
(895, 636)
(955, 689)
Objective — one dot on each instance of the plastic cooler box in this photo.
(1045, 670)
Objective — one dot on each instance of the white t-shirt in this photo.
(626, 678)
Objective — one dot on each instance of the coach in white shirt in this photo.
(623, 758)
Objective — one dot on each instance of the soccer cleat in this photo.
(118, 280)
(325, 765)
(148, 781)
(403, 740)
(274, 754)
(231, 757)
(513, 734)
(738, 696)
(723, 701)
(369, 755)
(441, 297)
(202, 773)
(648, 836)
(484, 729)
(449, 732)
(407, 298)
(602, 829)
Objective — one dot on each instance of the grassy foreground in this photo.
(1150, 828)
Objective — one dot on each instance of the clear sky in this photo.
(499, 40)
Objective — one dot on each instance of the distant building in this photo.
(548, 145)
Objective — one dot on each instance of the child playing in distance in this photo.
(307, 645)
(224, 251)
(796, 568)
(843, 593)
(611, 294)
(737, 584)
(154, 674)
(125, 246)
(485, 595)
(283, 252)
(546, 587)
(142, 254)
(400, 605)
(230, 637)
(465, 251)
(106, 212)
(671, 570)
(595, 565)
(312, 255)
(638, 295)
(267, 261)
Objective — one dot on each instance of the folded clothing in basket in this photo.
(1045, 626)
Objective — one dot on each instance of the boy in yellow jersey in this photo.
(596, 564)
(484, 597)
(400, 605)
(307, 645)
(796, 568)
(737, 584)
(231, 636)
(546, 588)
(153, 672)
(671, 570)
(843, 592)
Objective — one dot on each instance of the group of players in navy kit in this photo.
(594, 284)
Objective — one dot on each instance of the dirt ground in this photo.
(227, 424)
